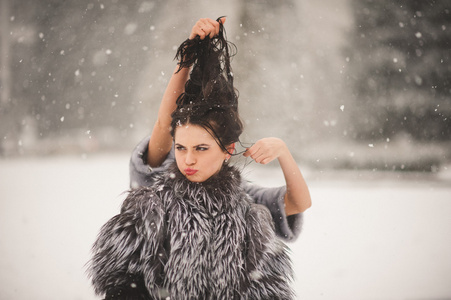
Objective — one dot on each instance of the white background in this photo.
(367, 236)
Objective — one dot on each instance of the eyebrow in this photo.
(200, 145)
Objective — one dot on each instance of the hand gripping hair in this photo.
(209, 100)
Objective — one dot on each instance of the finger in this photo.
(206, 26)
(265, 161)
(215, 30)
(261, 160)
(263, 155)
(202, 34)
(192, 34)
(253, 150)
(198, 29)
(258, 157)
(211, 27)
(210, 31)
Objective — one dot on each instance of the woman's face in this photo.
(197, 154)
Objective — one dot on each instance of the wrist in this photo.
(283, 148)
(285, 154)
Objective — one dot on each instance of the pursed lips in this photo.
(190, 171)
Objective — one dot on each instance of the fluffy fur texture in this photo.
(187, 240)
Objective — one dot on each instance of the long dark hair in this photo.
(209, 100)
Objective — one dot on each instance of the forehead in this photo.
(192, 134)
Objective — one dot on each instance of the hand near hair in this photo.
(266, 150)
(206, 27)
(297, 198)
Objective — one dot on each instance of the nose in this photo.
(190, 158)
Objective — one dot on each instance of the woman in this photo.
(193, 232)
(285, 203)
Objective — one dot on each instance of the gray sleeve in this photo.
(141, 174)
(287, 228)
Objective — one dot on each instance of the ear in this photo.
(230, 149)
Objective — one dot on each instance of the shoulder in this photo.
(142, 199)
(141, 174)
(158, 190)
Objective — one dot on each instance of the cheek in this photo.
(179, 161)
(217, 161)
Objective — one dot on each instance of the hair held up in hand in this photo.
(209, 100)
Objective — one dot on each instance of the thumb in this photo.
(222, 20)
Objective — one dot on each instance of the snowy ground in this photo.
(370, 236)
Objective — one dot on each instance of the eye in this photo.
(179, 148)
(200, 148)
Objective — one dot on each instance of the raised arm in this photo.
(297, 197)
(160, 142)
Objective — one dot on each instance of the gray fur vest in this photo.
(187, 240)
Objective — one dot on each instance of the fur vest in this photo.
(187, 240)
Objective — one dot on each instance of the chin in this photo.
(197, 181)
(194, 178)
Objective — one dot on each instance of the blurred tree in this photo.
(74, 67)
(16, 36)
(5, 74)
(93, 53)
(400, 68)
